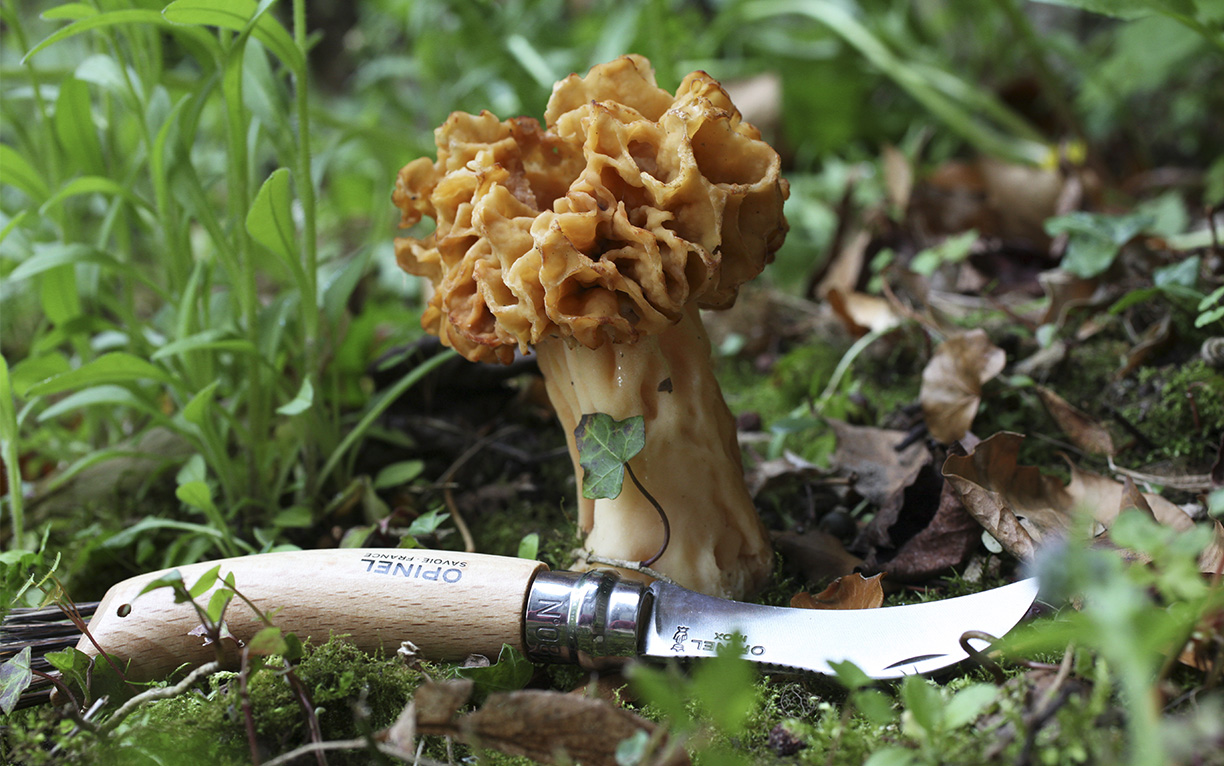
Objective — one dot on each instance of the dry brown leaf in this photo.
(862, 313)
(898, 177)
(843, 272)
(1067, 292)
(945, 541)
(1018, 505)
(546, 726)
(1082, 430)
(815, 554)
(1105, 498)
(1212, 559)
(881, 472)
(952, 383)
(850, 592)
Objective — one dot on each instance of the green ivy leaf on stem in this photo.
(604, 446)
(15, 678)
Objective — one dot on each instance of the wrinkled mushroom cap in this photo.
(602, 227)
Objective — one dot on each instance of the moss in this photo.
(1180, 409)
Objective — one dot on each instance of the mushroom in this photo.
(596, 241)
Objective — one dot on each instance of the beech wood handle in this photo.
(449, 604)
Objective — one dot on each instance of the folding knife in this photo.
(451, 605)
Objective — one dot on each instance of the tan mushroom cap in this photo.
(603, 227)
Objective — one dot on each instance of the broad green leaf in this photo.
(268, 641)
(92, 185)
(108, 19)
(197, 495)
(217, 604)
(193, 469)
(115, 367)
(59, 295)
(270, 220)
(892, 756)
(604, 446)
(16, 171)
(206, 581)
(954, 249)
(8, 411)
(725, 687)
(664, 689)
(236, 15)
(398, 474)
(91, 397)
(427, 523)
(875, 705)
(49, 257)
(205, 340)
(510, 673)
(295, 516)
(969, 703)
(171, 579)
(1184, 273)
(69, 12)
(1094, 239)
(73, 664)
(850, 675)
(299, 403)
(33, 370)
(923, 702)
(15, 678)
(197, 409)
(144, 526)
(529, 546)
(74, 126)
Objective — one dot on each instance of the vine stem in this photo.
(662, 516)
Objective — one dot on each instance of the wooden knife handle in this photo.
(449, 604)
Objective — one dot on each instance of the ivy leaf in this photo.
(604, 446)
(1093, 240)
(15, 678)
(73, 664)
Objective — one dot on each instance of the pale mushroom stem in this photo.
(691, 463)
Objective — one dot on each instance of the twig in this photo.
(632, 566)
(468, 543)
(248, 712)
(74, 709)
(662, 516)
(164, 692)
(307, 705)
(358, 743)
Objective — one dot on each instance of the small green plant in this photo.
(1135, 617)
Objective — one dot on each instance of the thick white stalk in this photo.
(691, 463)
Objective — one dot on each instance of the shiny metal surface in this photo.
(590, 618)
(885, 643)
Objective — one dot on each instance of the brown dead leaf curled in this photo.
(881, 472)
(549, 727)
(952, 383)
(815, 554)
(1080, 428)
(1017, 505)
(862, 313)
(946, 541)
(850, 592)
(1020, 506)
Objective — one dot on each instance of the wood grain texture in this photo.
(449, 604)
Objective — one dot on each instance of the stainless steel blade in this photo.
(885, 643)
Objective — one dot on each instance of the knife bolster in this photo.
(588, 618)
